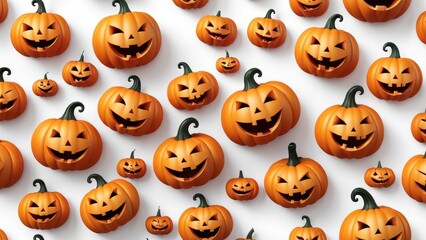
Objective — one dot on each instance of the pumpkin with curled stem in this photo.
(13, 99)
(11, 164)
(216, 30)
(131, 167)
(376, 10)
(309, 8)
(4, 10)
(307, 232)
(159, 225)
(80, 73)
(267, 32)
(227, 64)
(414, 177)
(242, 188)
(190, 4)
(45, 87)
(418, 127)
(379, 176)
(249, 235)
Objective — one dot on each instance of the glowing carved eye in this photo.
(33, 204)
(314, 41)
(53, 204)
(406, 71)
(192, 219)
(260, 26)
(213, 218)
(305, 177)
(120, 100)
(81, 135)
(113, 194)
(281, 180)
(92, 201)
(241, 105)
(51, 26)
(182, 87)
(195, 150)
(55, 134)
(384, 70)
(171, 154)
(27, 27)
(339, 121)
(340, 45)
(210, 24)
(362, 225)
(145, 106)
(270, 97)
(74, 68)
(114, 30)
(365, 120)
(142, 28)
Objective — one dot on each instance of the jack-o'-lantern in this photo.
(295, 181)
(127, 39)
(418, 127)
(421, 27)
(379, 176)
(11, 164)
(43, 209)
(227, 64)
(242, 188)
(349, 130)
(414, 177)
(374, 222)
(307, 232)
(4, 9)
(45, 87)
(188, 160)
(376, 10)
(80, 73)
(110, 205)
(67, 143)
(216, 30)
(309, 8)
(131, 167)
(267, 32)
(190, 4)
(159, 225)
(130, 111)
(213, 222)
(3, 235)
(13, 99)
(249, 235)
(38, 237)
(327, 52)
(260, 112)
(192, 90)
(394, 78)
(40, 34)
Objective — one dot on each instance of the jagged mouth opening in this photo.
(297, 197)
(379, 181)
(265, 39)
(46, 90)
(262, 127)
(394, 89)
(309, 7)
(240, 192)
(217, 36)
(126, 123)
(423, 187)
(133, 51)
(375, 3)
(132, 172)
(397, 237)
(110, 214)
(187, 173)
(206, 234)
(80, 79)
(195, 100)
(326, 64)
(7, 106)
(352, 143)
(228, 68)
(42, 218)
(423, 130)
(43, 44)
(67, 155)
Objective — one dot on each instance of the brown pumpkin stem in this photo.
(293, 159)
(394, 48)
(99, 179)
(158, 212)
(349, 101)
(203, 200)
(269, 13)
(250, 234)
(45, 75)
(369, 202)
(38, 237)
(40, 182)
(241, 174)
(124, 7)
(218, 13)
(136, 83)
(132, 154)
(69, 112)
(308, 221)
(249, 81)
(379, 165)
(81, 57)
(2, 70)
(41, 8)
(183, 131)
(331, 22)
(186, 68)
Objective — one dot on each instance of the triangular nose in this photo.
(204, 224)
(378, 232)
(103, 204)
(353, 130)
(39, 32)
(183, 161)
(326, 50)
(131, 111)
(395, 77)
(294, 187)
(257, 110)
(131, 36)
(68, 143)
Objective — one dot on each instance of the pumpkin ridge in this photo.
(136, 83)
(69, 112)
(369, 202)
(183, 131)
(349, 100)
(124, 7)
(394, 48)
(249, 81)
(99, 179)
(331, 22)
(2, 70)
(269, 13)
(41, 8)
(43, 188)
(203, 200)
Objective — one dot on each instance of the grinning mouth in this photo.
(187, 173)
(7, 106)
(110, 214)
(423, 187)
(46, 90)
(423, 130)
(325, 64)
(397, 237)
(217, 36)
(132, 172)
(159, 228)
(241, 192)
(379, 181)
(376, 3)
(133, 51)
(265, 39)
(395, 89)
(297, 197)
(42, 44)
(195, 100)
(262, 127)
(352, 143)
(42, 218)
(80, 79)
(126, 122)
(228, 68)
(67, 155)
(206, 234)
(309, 7)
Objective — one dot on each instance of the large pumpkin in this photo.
(216, 30)
(379, 176)
(349, 130)
(295, 181)
(127, 39)
(40, 34)
(11, 164)
(227, 64)
(159, 225)
(260, 112)
(80, 73)
(267, 32)
(45, 87)
(13, 99)
(242, 188)
(188, 160)
(376, 10)
(110, 205)
(43, 209)
(418, 127)
(213, 222)
(374, 222)
(394, 78)
(190, 4)
(309, 8)
(67, 143)
(327, 52)
(131, 167)
(3, 235)
(4, 9)
(414, 177)
(307, 232)
(130, 111)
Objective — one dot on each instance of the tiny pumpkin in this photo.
(376, 10)
(267, 32)
(131, 167)
(3, 235)
(13, 99)
(227, 64)
(249, 235)
(379, 176)
(43, 209)
(45, 87)
(159, 225)
(242, 188)
(80, 73)
(307, 232)
(414, 177)
(418, 127)
(11, 164)
(190, 4)
(309, 8)
(216, 30)
(4, 10)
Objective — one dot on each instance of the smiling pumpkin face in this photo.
(379, 176)
(376, 10)
(267, 32)
(242, 188)
(131, 167)
(309, 8)
(414, 177)
(216, 30)
(227, 64)
(418, 127)
(159, 225)
(80, 73)
(45, 87)
(13, 99)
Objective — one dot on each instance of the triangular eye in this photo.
(235, 185)
(201, 81)
(375, 174)
(195, 150)
(281, 180)
(339, 121)
(145, 106)
(225, 27)
(52, 204)
(171, 154)
(406, 71)
(27, 27)
(48, 83)
(260, 26)
(248, 185)
(120, 99)
(136, 165)
(300, 238)
(142, 28)
(182, 87)
(33, 204)
(386, 174)
(420, 171)
(51, 26)
(82, 135)
(114, 30)
(365, 120)
(340, 45)
(391, 222)
(55, 134)
(213, 218)
(223, 63)
(241, 105)
(92, 201)
(210, 24)
(113, 194)
(270, 97)
(305, 177)
(315, 238)
(126, 164)
(275, 29)
(192, 218)
(384, 70)
(74, 68)
(86, 69)
(314, 41)
(362, 225)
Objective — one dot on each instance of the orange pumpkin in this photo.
(80, 73)
(307, 232)
(421, 27)
(45, 87)
(349, 130)
(131, 167)
(227, 64)
(379, 176)
(249, 235)
(267, 32)
(216, 30)
(67, 143)
(327, 52)
(13, 99)
(414, 177)
(43, 209)
(190, 4)
(3, 235)
(159, 225)
(11, 164)
(40, 34)
(127, 39)
(260, 112)
(376, 11)
(242, 188)
(4, 9)
(309, 8)
(418, 127)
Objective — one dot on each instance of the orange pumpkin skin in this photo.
(259, 113)
(327, 52)
(307, 232)
(45, 87)
(13, 99)
(349, 130)
(80, 73)
(67, 143)
(190, 4)
(159, 225)
(3, 235)
(40, 34)
(307, 8)
(227, 64)
(131, 167)
(414, 176)
(376, 11)
(242, 188)
(249, 235)
(418, 127)
(267, 32)
(421, 27)
(43, 209)
(127, 39)
(216, 30)
(379, 176)
(11, 164)
(4, 9)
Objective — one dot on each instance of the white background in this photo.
(180, 43)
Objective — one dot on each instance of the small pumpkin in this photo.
(295, 181)
(45, 87)
(3, 235)
(127, 39)
(267, 32)
(38, 237)
(309, 8)
(373, 221)
(213, 222)
(421, 27)
(130, 111)
(11, 164)
(414, 177)
(216, 30)
(110, 205)
(131, 167)
(192, 90)
(249, 235)
(190, 4)
(227, 64)
(327, 52)
(376, 10)
(418, 127)
(67, 143)
(379, 176)
(242, 188)
(80, 73)
(40, 34)
(349, 130)
(13, 99)
(188, 160)
(43, 209)
(394, 78)
(159, 225)
(260, 112)
(4, 10)
(307, 232)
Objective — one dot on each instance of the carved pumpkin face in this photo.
(159, 225)
(267, 32)
(327, 52)
(80, 73)
(131, 167)
(307, 232)
(309, 8)
(4, 9)
(227, 64)
(45, 87)
(11, 164)
(190, 4)
(379, 177)
(242, 188)
(13, 99)
(110, 205)
(418, 127)
(376, 10)
(414, 177)
(216, 30)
